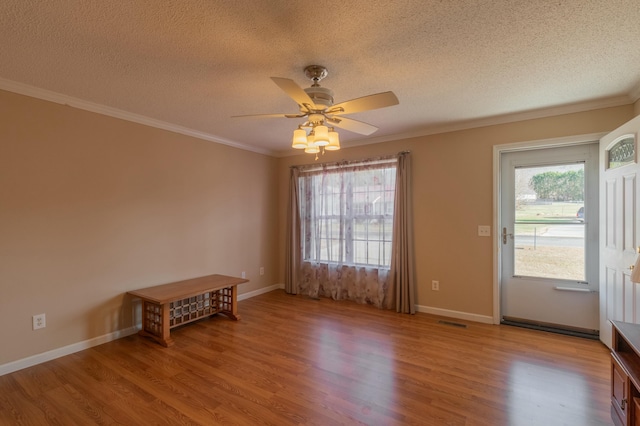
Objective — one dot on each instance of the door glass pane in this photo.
(549, 231)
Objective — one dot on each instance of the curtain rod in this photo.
(347, 162)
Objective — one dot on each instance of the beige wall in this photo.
(453, 194)
(93, 206)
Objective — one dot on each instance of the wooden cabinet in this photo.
(625, 374)
(619, 392)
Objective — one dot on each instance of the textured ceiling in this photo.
(193, 64)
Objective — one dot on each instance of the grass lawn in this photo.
(547, 212)
(550, 262)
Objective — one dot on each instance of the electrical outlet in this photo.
(435, 285)
(244, 274)
(39, 321)
(262, 270)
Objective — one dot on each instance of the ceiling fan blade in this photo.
(352, 125)
(365, 103)
(269, 116)
(294, 91)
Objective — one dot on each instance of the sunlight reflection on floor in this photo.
(375, 387)
(544, 394)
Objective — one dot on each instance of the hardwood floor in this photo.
(294, 360)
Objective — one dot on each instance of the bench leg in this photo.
(230, 295)
(166, 342)
(155, 323)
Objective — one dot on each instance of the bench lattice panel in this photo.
(192, 308)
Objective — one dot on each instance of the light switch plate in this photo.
(484, 230)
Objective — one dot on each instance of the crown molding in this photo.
(634, 94)
(48, 95)
(504, 119)
(495, 120)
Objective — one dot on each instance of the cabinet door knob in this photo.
(623, 403)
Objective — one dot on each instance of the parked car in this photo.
(580, 214)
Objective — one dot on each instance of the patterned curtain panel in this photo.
(361, 284)
(292, 244)
(402, 275)
(341, 240)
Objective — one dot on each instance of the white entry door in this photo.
(619, 227)
(549, 238)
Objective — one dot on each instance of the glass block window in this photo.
(622, 152)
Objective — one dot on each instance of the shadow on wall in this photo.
(115, 314)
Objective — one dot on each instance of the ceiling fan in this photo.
(316, 105)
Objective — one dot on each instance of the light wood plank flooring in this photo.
(293, 360)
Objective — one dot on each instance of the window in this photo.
(346, 213)
(550, 222)
(622, 152)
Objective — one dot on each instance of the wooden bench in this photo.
(169, 305)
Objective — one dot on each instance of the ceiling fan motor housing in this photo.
(321, 96)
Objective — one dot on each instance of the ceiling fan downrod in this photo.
(321, 96)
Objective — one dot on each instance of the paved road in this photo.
(554, 236)
(528, 240)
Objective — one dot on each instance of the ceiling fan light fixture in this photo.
(334, 140)
(299, 139)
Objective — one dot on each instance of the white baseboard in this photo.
(10, 367)
(260, 291)
(485, 319)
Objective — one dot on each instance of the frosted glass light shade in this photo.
(321, 135)
(334, 141)
(312, 149)
(299, 139)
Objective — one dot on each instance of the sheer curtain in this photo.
(343, 232)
